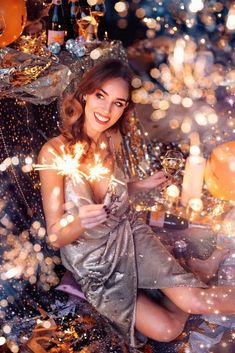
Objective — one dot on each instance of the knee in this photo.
(172, 330)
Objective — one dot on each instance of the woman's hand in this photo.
(92, 215)
(156, 180)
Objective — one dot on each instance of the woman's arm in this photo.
(52, 190)
(212, 300)
(158, 179)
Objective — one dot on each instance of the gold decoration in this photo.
(13, 18)
(28, 74)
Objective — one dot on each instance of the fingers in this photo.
(159, 178)
(92, 215)
(165, 184)
(160, 174)
(92, 210)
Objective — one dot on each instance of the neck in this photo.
(93, 135)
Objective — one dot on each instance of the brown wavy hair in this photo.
(72, 108)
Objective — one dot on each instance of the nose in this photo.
(107, 107)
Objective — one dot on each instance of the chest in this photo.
(100, 173)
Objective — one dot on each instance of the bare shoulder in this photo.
(51, 148)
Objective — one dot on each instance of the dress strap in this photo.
(116, 148)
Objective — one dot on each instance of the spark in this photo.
(69, 165)
(97, 171)
(66, 164)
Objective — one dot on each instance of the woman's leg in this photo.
(207, 269)
(159, 322)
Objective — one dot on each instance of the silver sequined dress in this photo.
(113, 260)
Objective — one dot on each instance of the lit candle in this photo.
(193, 176)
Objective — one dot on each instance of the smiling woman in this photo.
(105, 106)
(114, 256)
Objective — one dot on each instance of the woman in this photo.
(113, 255)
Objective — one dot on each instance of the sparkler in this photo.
(66, 164)
(69, 165)
(98, 171)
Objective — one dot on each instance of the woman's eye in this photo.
(119, 104)
(99, 95)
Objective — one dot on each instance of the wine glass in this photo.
(173, 163)
(2, 25)
(97, 12)
(84, 20)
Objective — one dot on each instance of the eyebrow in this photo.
(120, 99)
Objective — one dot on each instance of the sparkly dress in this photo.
(111, 261)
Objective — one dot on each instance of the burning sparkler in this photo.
(66, 164)
(98, 171)
(69, 165)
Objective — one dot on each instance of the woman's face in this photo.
(105, 106)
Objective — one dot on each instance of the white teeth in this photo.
(101, 118)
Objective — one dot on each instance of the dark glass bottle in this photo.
(98, 11)
(56, 23)
(71, 19)
(171, 221)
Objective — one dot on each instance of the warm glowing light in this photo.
(195, 204)
(173, 191)
(120, 6)
(178, 55)
(97, 171)
(96, 53)
(195, 150)
(196, 5)
(66, 164)
(230, 23)
(136, 82)
(14, 272)
(2, 340)
(201, 119)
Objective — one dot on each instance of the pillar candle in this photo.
(193, 178)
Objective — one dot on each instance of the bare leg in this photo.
(161, 323)
(206, 269)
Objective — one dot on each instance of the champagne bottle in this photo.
(72, 27)
(171, 221)
(56, 23)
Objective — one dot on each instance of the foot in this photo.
(207, 269)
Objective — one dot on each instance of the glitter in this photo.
(15, 160)
(36, 225)
(120, 6)
(41, 232)
(14, 272)
(70, 218)
(28, 160)
(52, 238)
(63, 222)
(37, 247)
(95, 54)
